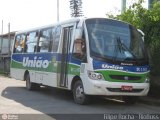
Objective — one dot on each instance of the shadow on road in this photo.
(57, 101)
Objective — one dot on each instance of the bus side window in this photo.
(19, 44)
(79, 50)
(56, 38)
(45, 40)
(23, 42)
(31, 42)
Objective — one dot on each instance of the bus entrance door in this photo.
(63, 66)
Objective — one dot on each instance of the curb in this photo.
(150, 101)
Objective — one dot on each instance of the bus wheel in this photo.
(79, 95)
(30, 85)
(130, 100)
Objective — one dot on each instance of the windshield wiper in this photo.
(123, 48)
(118, 48)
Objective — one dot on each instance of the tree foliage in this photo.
(149, 22)
(76, 8)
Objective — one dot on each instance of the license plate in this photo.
(126, 88)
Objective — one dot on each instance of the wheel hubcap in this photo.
(79, 92)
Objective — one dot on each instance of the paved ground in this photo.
(15, 99)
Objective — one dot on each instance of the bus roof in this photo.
(51, 25)
(65, 22)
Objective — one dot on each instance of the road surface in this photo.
(16, 99)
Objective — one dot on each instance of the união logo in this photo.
(106, 66)
(37, 62)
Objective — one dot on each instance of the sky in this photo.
(26, 14)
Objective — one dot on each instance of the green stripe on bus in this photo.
(53, 67)
(106, 75)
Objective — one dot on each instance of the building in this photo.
(150, 2)
(6, 42)
(123, 6)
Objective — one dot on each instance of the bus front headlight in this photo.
(95, 76)
(147, 80)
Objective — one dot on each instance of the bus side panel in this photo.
(17, 73)
(45, 78)
(42, 67)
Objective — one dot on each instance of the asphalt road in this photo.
(15, 99)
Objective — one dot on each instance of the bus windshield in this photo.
(114, 40)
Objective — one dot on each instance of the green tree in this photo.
(76, 8)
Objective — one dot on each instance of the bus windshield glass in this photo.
(114, 40)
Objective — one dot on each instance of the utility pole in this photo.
(2, 28)
(1, 38)
(150, 4)
(57, 10)
(2, 58)
(123, 6)
(9, 40)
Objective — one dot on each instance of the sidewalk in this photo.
(150, 100)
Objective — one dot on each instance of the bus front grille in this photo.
(124, 77)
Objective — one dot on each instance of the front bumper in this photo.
(106, 88)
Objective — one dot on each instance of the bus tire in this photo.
(30, 85)
(79, 95)
(130, 100)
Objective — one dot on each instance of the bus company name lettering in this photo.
(106, 66)
(37, 62)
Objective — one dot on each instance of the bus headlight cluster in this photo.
(95, 76)
(147, 80)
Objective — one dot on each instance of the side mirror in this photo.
(142, 33)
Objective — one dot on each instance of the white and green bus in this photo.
(89, 56)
